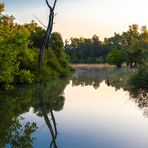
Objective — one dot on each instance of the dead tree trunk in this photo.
(47, 36)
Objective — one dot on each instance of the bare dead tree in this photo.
(47, 36)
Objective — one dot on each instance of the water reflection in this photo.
(140, 97)
(104, 110)
(117, 78)
(12, 131)
(51, 123)
(44, 98)
(138, 93)
(90, 77)
(48, 98)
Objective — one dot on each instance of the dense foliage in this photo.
(130, 47)
(83, 50)
(133, 45)
(19, 47)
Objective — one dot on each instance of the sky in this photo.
(83, 18)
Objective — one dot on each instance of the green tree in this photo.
(117, 57)
(56, 46)
(86, 50)
(133, 46)
(19, 49)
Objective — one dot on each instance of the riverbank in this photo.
(90, 65)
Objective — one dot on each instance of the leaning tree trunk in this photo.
(47, 36)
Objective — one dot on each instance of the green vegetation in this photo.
(116, 57)
(130, 47)
(20, 44)
(21, 136)
(19, 50)
(140, 79)
(138, 88)
(15, 130)
(14, 103)
(20, 63)
(83, 50)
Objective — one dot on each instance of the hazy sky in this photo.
(77, 18)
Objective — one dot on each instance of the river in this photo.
(91, 109)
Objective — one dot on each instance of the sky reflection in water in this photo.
(96, 116)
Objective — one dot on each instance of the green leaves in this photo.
(86, 50)
(19, 53)
(117, 57)
(16, 58)
(19, 136)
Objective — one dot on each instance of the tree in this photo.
(116, 57)
(144, 39)
(56, 57)
(132, 42)
(47, 36)
(133, 46)
(19, 50)
(86, 50)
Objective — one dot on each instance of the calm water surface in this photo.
(91, 110)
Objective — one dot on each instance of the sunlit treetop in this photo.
(2, 6)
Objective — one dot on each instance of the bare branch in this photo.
(49, 5)
(55, 14)
(40, 21)
(54, 4)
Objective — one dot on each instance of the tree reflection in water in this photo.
(117, 78)
(127, 80)
(90, 77)
(93, 77)
(12, 131)
(138, 91)
(48, 97)
(51, 123)
(140, 97)
(44, 98)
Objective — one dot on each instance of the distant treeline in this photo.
(130, 47)
(87, 50)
